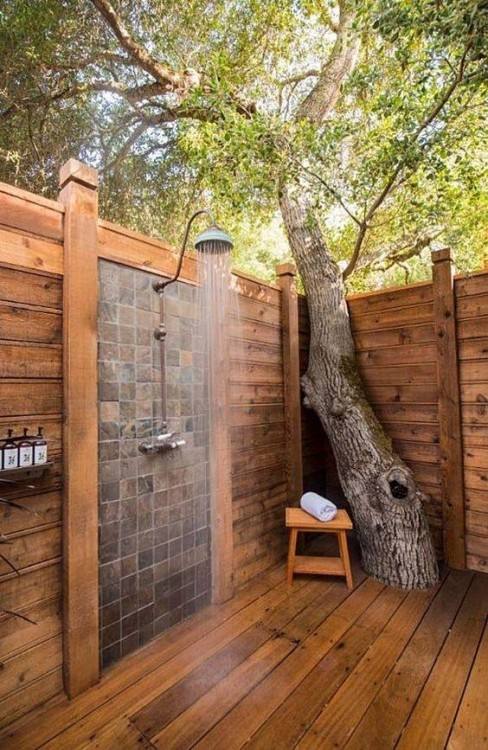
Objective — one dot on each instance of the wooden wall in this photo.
(31, 395)
(472, 332)
(396, 352)
(259, 481)
(394, 333)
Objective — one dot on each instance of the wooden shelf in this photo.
(24, 473)
(331, 566)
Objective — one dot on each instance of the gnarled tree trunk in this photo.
(386, 504)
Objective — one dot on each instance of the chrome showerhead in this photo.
(213, 241)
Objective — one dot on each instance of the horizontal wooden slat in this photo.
(255, 436)
(30, 397)
(476, 457)
(256, 414)
(251, 330)
(416, 374)
(18, 323)
(26, 212)
(31, 546)
(40, 509)
(476, 479)
(472, 328)
(477, 500)
(398, 355)
(386, 299)
(42, 582)
(477, 545)
(475, 413)
(18, 671)
(414, 431)
(477, 523)
(425, 473)
(472, 307)
(17, 634)
(25, 287)
(402, 394)
(255, 352)
(252, 393)
(474, 371)
(406, 412)
(424, 452)
(248, 485)
(253, 372)
(19, 360)
(256, 289)
(259, 311)
(473, 349)
(469, 285)
(394, 337)
(392, 318)
(38, 692)
(28, 252)
(250, 460)
(475, 562)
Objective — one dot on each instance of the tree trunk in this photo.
(386, 504)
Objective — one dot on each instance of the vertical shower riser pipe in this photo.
(160, 334)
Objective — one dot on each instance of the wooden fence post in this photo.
(78, 184)
(451, 448)
(291, 374)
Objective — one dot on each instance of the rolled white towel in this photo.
(318, 507)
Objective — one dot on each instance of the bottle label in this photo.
(25, 453)
(11, 458)
(40, 454)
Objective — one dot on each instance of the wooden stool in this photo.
(297, 520)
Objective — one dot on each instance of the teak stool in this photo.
(297, 520)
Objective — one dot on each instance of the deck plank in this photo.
(430, 722)
(286, 725)
(340, 717)
(470, 729)
(154, 716)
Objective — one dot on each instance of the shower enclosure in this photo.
(164, 450)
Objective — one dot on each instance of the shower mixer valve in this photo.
(166, 441)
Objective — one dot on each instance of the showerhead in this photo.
(213, 241)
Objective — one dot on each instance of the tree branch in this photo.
(171, 80)
(318, 104)
(391, 181)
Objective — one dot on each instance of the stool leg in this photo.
(292, 545)
(345, 557)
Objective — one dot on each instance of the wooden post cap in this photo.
(286, 269)
(440, 255)
(78, 172)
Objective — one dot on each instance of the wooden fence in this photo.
(44, 242)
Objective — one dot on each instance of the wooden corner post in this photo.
(78, 193)
(291, 375)
(451, 449)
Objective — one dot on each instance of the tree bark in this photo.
(386, 503)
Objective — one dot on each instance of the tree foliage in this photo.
(201, 102)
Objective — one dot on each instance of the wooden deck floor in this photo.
(321, 667)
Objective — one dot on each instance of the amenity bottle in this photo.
(10, 452)
(26, 450)
(40, 448)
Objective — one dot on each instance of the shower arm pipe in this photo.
(160, 333)
(160, 286)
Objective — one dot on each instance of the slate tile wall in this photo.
(154, 510)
